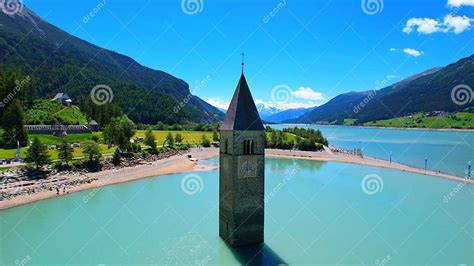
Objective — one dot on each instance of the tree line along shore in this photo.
(122, 140)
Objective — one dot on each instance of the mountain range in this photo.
(288, 115)
(59, 61)
(266, 110)
(425, 92)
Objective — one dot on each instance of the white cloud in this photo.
(458, 3)
(307, 94)
(408, 51)
(422, 25)
(412, 52)
(217, 103)
(457, 24)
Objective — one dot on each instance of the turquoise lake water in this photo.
(316, 212)
(446, 151)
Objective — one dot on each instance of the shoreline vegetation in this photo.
(184, 161)
(435, 120)
(382, 127)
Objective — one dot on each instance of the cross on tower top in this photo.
(243, 62)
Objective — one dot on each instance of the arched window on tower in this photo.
(249, 147)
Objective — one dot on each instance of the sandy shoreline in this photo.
(172, 165)
(181, 163)
(366, 161)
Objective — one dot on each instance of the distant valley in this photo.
(422, 100)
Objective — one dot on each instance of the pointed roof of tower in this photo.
(242, 113)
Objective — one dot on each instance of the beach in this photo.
(174, 164)
(329, 156)
(188, 162)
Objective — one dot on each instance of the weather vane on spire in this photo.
(243, 62)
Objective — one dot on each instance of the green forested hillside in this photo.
(461, 120)
(426, 92)
(56, 61)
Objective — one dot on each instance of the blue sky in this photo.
(298, 53)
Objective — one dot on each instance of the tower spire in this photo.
(242, 170)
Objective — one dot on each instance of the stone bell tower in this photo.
(241, 173)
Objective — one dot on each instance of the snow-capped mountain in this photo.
(266, 110)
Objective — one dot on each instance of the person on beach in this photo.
(57, 191)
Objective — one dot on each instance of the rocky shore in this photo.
(20, 182)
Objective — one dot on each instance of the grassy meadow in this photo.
(189, 137)
(460, 120)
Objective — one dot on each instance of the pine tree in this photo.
(117, 157)
(38, 154)
(215, 136)
(205, 141)
(169, 139)
(65, 152)
(13, 122)
(178, 138)
(150, 139)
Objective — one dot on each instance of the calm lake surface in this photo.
(446, 151)
(316, 212)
